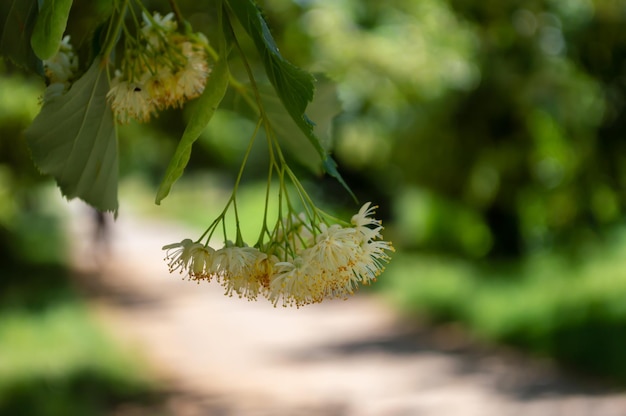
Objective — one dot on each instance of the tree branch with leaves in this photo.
(145, 62)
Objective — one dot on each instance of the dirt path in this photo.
(226, 356)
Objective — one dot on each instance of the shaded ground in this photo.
(226, 356)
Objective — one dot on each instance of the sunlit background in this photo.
(491, 135)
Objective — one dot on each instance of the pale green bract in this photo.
(74, 139)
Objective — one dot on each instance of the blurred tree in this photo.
(548, 113)
(18, 175)
(512, 111)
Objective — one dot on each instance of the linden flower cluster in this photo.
(162, 69)
(306, 263)
(60, 70)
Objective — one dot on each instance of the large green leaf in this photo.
(49, 27)
(204, 109)
(294, 86)
(17, 18)
(74, 139)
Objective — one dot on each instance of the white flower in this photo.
(334, 247)
(130, 100)
(334, 255)
(202, 258)
(294, 284)
(194, 259)
(178, 254)
(53, 91)
(241, 270)
(193, 76)
(191, 82)
(371, 262)
(155, 33)
(368, 228)
(63, 65)
(163, 88)
(360, 219)
(166, 23)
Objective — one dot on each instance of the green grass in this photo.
(572, 308)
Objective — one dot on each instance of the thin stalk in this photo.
(233, 197)
(179, 16)
(264, 228)
(211, 227)
(112, 35)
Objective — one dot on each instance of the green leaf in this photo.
(49, 27)
(74, 139)
(204, 109)
(17, 18)
(324, 108)
(294, 86)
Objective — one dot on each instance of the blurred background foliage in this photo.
(491, 134)
(55, 358)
